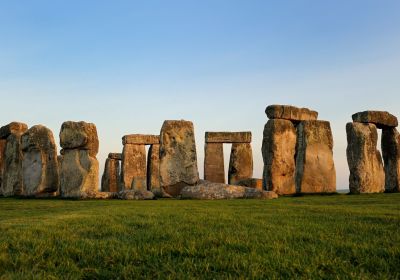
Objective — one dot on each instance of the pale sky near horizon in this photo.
(129, 65)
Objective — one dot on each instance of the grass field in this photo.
(330, 237)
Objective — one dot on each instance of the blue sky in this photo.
(129, 65)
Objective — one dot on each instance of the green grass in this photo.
(330, 237)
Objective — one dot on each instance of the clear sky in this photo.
(128, 65)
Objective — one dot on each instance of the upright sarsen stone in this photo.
(279, 148)
(391, 157)
(110, 180)
(241, 163)
(365, 161)
(315, 168)
(178, 157)
(214, 168)
(133, 169)
(2, 162)
(153, 168)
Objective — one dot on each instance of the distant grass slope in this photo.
(331, 237)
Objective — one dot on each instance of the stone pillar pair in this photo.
(241, 159)
(367, 172)
(298, 152)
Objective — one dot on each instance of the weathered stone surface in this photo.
(178, 157)
(380, 118)
(214, 167)
(110, 181)
(136, 195)
(105, 195)
(279, 148)
(79, 135)
(12, 128)
(39, 164)
(79, 174)
(251, 183)
(116, 156)
(228, 137)
(133, 167)
(365, 161)
(153, 168)
(391, 157)
(214, 191)
(241, 163)
(315, 168)
(2, 162)
(290, 113)
(140, 139)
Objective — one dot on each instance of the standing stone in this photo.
(241, 163)
(391, 157)
(133, 172)
(110, 180)
(2, 162)
(12, 128)
(79, 135)
(214, 168)
(315, 168)
(153, 168)
(279, 148)
(178, 157)
(39, 165)
(365, 161)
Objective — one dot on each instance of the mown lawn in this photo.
(311, 237)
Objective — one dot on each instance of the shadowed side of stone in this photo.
(110, 180)
(381, 119)
(391, 157)
(153, 168)
(241, 163)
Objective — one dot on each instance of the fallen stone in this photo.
(279, 149)
(178, 157)
(136, 195)
(79, 135)
(133, 167)
(116, 156)
(379, 118)
(214, 167)
(140, 139)
(391, 157)
(153, 168)
(365, 161)
(241, 163)
(251, 183)
(228, 137)
(110, 181)
(12, 128)
(315, 168)
(39, 165)
(290, 113)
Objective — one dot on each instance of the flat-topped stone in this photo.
(228, 137)
(140, 139)
(11, 128)
(381, 119)
(116, 156)
(291, 113)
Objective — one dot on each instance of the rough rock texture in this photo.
(136, 195)
(140, 139)
(2, 162)
(315, 168)
(116, 156)
(12, 128)
(279, 148)
(213, 191)
(110, 180)
(291, 113)
(241, 163)
(39, 165)
(228, 137)
(79, 135)
(365, 161)
(391, 157)
(214, 167)
(178, 157)
(79, 174)
(133, 167)
(380, 118)
(252, 183)
(153, 168)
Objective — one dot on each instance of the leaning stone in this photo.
(79, 135)
(279, 148)
(251, 183)
(12, 128)
(136, 195)
(214, 167)
(241, 163)
(391, 157)
(2, 162)
(228, 137)
(153, 168)
(178, 157)
(133, 167)
(79, 176)
(116, 156)
(365, 161)
(140, 139)
(291, 113)
(315, 168)
(380, 118)
(110, 180)
(39, 165)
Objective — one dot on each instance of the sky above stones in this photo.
(129, 65)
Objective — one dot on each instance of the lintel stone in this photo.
(228, 137)
(141, 139)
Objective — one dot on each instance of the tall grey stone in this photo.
(110, 181)
(153, 168)
(241, 163)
